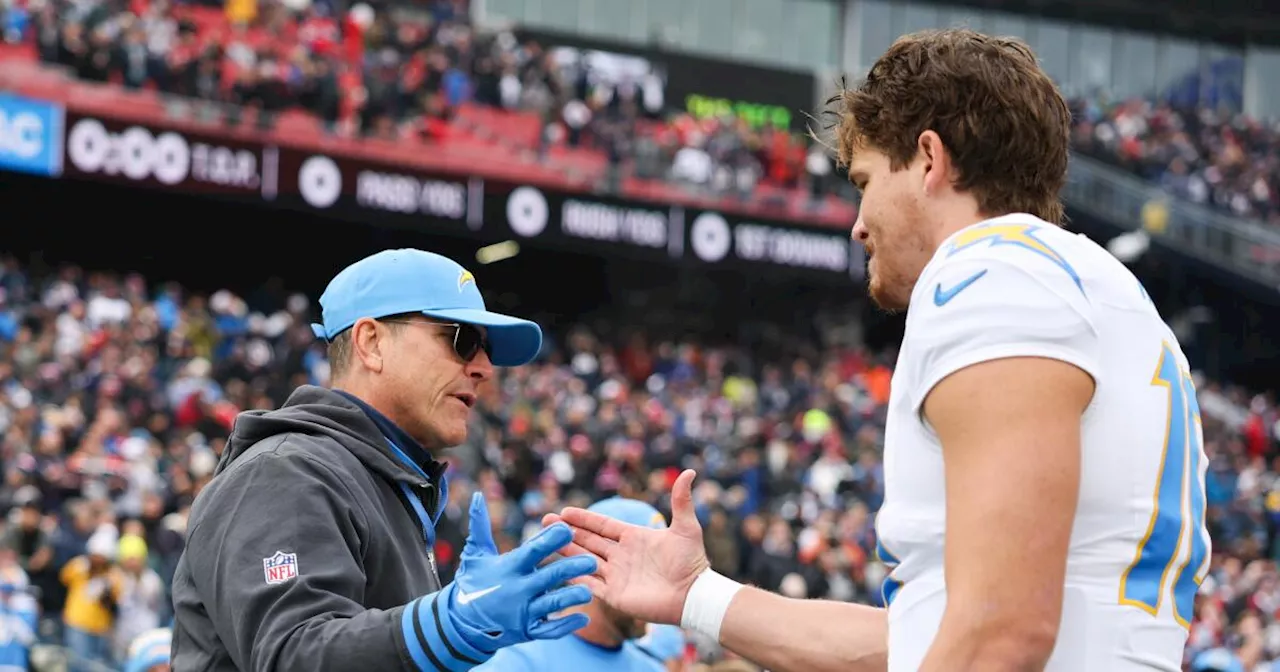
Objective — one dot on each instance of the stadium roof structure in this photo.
(1233, 22)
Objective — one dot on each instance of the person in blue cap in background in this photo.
(1217, 660)
(312, 547)
(665, 643)
(608, 641)
(149, 651)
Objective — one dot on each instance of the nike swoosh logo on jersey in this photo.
(941, 297)
(466, 598)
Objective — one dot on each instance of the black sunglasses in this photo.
(468, 340)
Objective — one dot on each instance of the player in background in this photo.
(1044, 502)
(149, 651)
(607, 642)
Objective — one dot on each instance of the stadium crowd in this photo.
(399, 70)
(1229, 162)
(116, 398)
(396, 70)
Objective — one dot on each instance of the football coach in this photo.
(311, 548)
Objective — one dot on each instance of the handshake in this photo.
(653, 573)
(496, 600)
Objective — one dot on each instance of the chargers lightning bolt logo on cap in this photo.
(464, 277)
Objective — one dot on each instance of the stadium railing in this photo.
(1244, 247)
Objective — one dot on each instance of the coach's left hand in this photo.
(499, 600)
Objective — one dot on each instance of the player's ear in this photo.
(935, 160)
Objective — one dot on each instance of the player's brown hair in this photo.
(999, 114)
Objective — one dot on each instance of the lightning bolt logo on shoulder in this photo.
(1021, 235)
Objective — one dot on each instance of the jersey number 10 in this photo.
(1178, 508)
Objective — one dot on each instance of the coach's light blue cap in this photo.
(394, 282)
(631, 511)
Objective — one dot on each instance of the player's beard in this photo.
(897, 244)
(894, 267)
(888, 289)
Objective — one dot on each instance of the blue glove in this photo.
(496, 600)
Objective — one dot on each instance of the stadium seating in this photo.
(427, 75)
(1227, 162)
(403, 75)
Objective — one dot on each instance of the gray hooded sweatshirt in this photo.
(303, 549)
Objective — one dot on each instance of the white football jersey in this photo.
(1018, 286)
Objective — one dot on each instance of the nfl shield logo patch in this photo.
(280, 567)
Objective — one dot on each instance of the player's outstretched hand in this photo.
(500, 600)
(643, 572)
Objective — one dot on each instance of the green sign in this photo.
(756, 114)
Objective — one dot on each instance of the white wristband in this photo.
(707, 602)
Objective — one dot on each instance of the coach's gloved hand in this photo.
(496, 600)
(500, 600)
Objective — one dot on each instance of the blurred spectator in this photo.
(819, 166)
(18, 615)
(26, 537)
(141, 595)
(94, 588)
